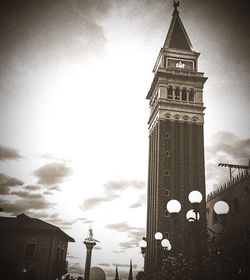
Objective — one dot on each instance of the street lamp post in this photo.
(165, 244)
(221, 208)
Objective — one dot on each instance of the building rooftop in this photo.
(24, 222)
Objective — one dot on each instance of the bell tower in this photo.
(176, 146)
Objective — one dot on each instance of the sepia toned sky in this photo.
(73, 115)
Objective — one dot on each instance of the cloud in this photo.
(25, 205)
(118, 251)
(226, 147)
(123, 185)
(54, 158)
(6, 182)
(104, 264)
(52, 174)
(69, 256)
(25, 194)
(55, 219)
(75, 268)
(134, 234)
(32, 187)
(119, 227)
(112, 190)
(96, 201)
(124, 265)
(123, 274)
(7, 153)
(140, 202)
(97, 248)
(45, 34)
(48, 193)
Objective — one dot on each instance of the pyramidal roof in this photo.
(177, 37)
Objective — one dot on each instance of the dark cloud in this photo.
(7, 153)
(45, 33)
(24, 205)
(25, 194)
(6, 182)
(52, 174)
(225, 148)
(140, 202)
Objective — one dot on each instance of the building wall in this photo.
(13, 244)
(176, 167)
(234, 242)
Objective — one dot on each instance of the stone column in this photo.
(89, 245)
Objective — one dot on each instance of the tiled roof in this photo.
(24, 222)
(177, 37)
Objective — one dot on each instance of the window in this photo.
(30, 250)
(170, 93)
(177, 94)
(166, 193)
(191, 96)
(184, 95)
(167, 154)
(167, 135)
(166, 172)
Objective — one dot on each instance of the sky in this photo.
(73, 111)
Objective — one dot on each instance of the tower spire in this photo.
(177, 37)
(130, 276)
(116, 273)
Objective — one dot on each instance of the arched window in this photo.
(184, 95)
(191, 96)
(170, 93)
(177, 94)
